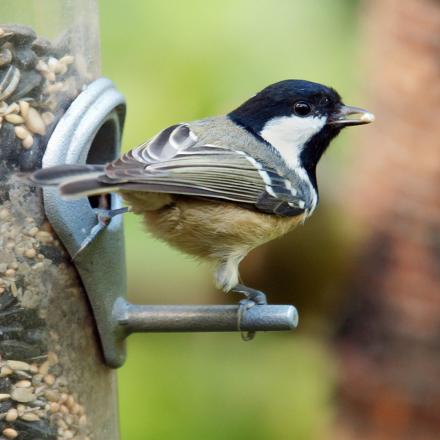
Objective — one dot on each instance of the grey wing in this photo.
(176, 162)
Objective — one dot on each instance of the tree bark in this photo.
(389, 342)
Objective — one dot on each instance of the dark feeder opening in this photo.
(104, 149)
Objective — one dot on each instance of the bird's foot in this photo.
(253, 298)
(103, 217)
(256, 296)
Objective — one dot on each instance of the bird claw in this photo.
(253, 298)
(244, 306)
(104, 217)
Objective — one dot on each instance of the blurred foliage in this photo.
(217, 387)
(178, 61)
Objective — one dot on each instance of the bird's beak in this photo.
(349, 115)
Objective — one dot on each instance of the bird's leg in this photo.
(228, 279)
(253, 297)
(103, 217)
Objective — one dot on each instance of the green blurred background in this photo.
(177, 61)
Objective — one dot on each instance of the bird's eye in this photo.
(325, 101)
(302, 108)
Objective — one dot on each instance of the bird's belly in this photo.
(214, 230)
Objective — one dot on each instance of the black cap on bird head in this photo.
(302, 115)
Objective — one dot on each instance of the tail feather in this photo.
(75, 188)
(62, 173)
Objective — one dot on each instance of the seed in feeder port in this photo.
(18, 365)
(49, 379)
(10, 273)
(30, 417)
(11, 415)
(67, 59)
(34, 122)
(21, 132)
(48, 117)
(70, 402)
(44, 236)
(24, 395)
(61, 69)
(5, 371)
(10, 433)
(13, 108)
(24, 108)
(33, 231)
(50, 76)
(30, 253)
(44, 367)
(41, 66)
(5, 57)
(55, 87)
(52, 395)
(54, 407)
(23, 384)
(9, 81)
(14, 290)
(27, 142)
(14, 119)
(52, 358)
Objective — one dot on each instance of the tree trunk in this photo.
(389, 343)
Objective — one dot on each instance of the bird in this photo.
(216, 188)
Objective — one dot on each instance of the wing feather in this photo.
(176, 162)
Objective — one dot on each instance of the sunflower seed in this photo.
(20, 34)
(5, 57)
(41, 46)
(9, 81)
(25, 58)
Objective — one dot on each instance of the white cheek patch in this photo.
(288, 134)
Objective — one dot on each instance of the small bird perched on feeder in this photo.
(218, 187)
